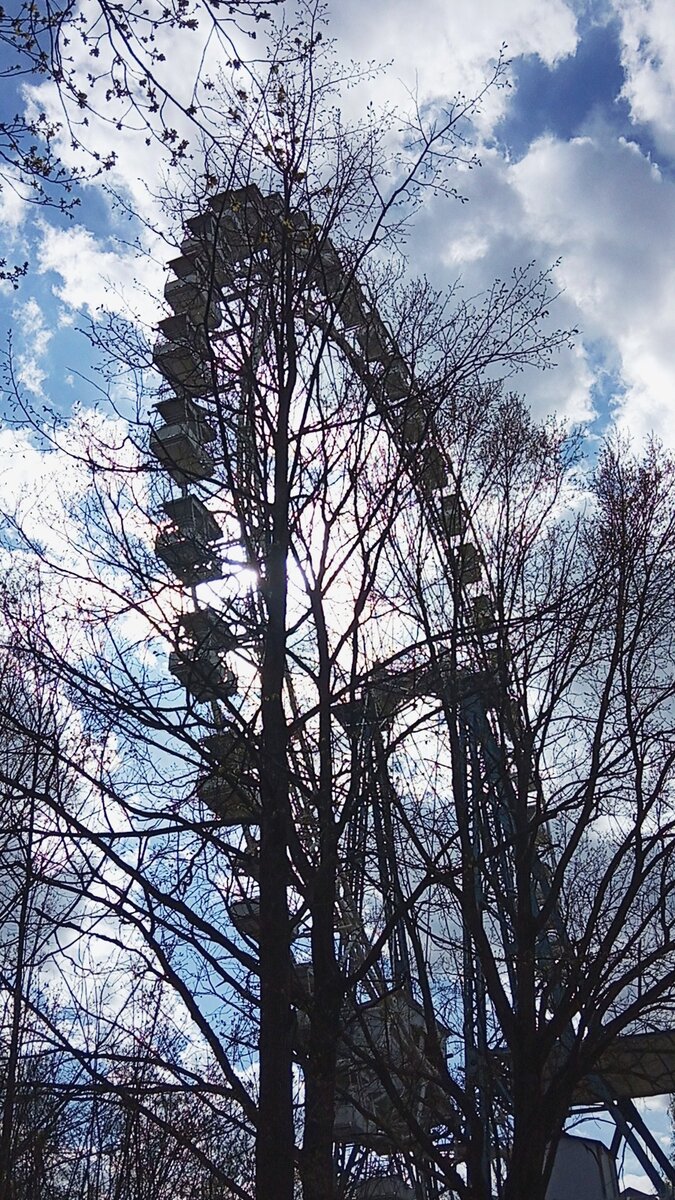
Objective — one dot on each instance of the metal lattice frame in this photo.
(224, 243)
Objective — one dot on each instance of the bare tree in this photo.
(99, 1091)
(29, 918)
(451, 722)
(114, 67)
(550, 647)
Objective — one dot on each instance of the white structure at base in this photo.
(584, 1169)
(384, 1187)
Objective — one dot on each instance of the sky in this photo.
(578, 170)
(577, 156)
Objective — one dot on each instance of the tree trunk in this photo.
(318, 1172)
(8, 1108)
(531, 1134)
(275, 1145)
(275, 1140)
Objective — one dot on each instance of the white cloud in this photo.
(31, 374)
(602, 207)
(33, 336)
(487, 238)
(29, 320)
(648, 57)
(31, 485)
(597, 202)
(653, 1104)
(639, 1182)
(95, 276)
(439, 48)
(13, 212)
(13, 207)
(437, 52)
(115, 138)
(611, 215)
(45, 490)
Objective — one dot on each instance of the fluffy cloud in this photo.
(607, 212)
(450, 49)
(30, 321)
(611, 215)
(33, 484)
(13, 207)
(597, 202)
(43, 480)
(33, 335)
(96, 274)
(648, 57)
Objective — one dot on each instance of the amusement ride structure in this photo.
(231, 248)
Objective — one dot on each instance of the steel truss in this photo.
(229, 251)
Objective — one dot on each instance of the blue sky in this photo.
(577, 160)
(565, 98)
(578, 165)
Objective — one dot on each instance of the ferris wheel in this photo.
(389, 1085)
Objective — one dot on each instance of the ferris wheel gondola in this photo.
(237, 230)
